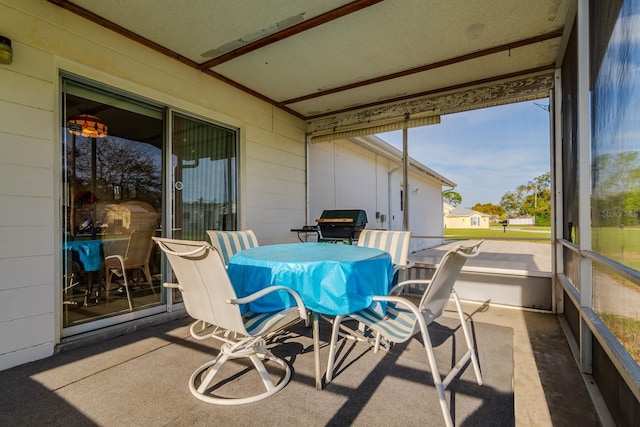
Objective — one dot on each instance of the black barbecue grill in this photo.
(342, 225)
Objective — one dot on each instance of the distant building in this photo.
(522, 220)
(464, 218)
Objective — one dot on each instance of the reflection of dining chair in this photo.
(230, 242)
(134, 257)
(71, 281)
(403, 319)
(210, 298)
(394, 242)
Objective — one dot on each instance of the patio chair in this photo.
(230, 242)
(394, 242)
(135, 256)
(209, 298)
(403, 319)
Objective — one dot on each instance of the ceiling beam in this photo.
(531, 84)
(339, 12)
(427, 67)
(67, 5)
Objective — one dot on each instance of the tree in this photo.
(134, 166)
(533, 198)
(616, 189)
(489, 209)
(511, 201)
(537, 188)
(452, 197)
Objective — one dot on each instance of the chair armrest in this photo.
(172, 285)
(120, 259)
(399, 300)
(404, 283)
(301, 307)
(408, 265)
(409, 305)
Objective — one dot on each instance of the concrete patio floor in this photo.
(140, 379)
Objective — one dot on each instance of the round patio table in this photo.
(331, 279)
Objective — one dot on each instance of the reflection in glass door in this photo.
(203, 165)
(112, 199)
(204, 180)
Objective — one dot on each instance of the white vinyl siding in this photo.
(46, 40)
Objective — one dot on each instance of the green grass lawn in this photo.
(511, 232)
(620, 244)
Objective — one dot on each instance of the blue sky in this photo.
(486, 152)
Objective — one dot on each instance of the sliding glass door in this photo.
(112, 204)
(204, 185)
(117, 179)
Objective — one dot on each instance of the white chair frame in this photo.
(210, 299)
(402, 312)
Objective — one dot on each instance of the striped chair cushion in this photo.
(398, 325)
(231, 242)
(394, 242)
(258, 323)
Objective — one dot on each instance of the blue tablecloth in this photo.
(89, 253)
(332, 279)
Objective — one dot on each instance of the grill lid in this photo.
(342, 223)
(344, 217)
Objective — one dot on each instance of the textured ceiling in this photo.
(336, 62)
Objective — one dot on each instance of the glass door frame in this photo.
(167, 303)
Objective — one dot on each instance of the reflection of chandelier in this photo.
(87, 125)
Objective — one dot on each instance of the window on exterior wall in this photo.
(615, 150)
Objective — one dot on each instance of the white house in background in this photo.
(464, 218)
(366, 173)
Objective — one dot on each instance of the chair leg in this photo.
(469, 340)
(376, 346)
(442, 384)
(126, 288)
(266, 379)
(435, 375)
(217, 364)
(227, 352)
(147, 274)
(335, 331)
(107, 282)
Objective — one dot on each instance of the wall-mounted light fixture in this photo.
(6, 54)
(87, 125)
